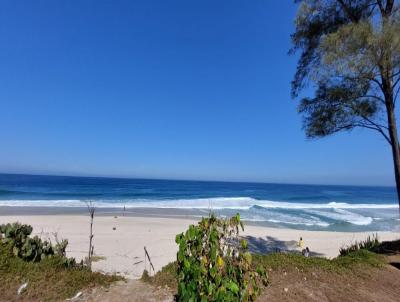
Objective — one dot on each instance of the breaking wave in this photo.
(320, 215)
(197, 203)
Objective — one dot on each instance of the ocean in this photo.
(314, 207)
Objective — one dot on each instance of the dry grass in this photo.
(351, 263)
(48, 280)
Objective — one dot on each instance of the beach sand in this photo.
(123, 248)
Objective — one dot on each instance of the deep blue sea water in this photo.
(322, 207)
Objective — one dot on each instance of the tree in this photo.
(350, 53)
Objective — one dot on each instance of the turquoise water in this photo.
(345, 208)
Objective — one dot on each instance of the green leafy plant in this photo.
(60, 247)
(214, 265)
(33, 249)
(371, 243)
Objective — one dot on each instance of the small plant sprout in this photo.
(91, 209)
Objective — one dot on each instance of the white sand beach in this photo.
(123, 248)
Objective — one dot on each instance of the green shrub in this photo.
(60, 248)
(370, 244)
(212, 265)
(16, 236)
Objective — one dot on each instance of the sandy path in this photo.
(130, 291)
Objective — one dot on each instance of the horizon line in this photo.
(194, 180)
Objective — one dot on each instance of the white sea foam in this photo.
(308, 214)
(322, 224)
(243, 203)
(294, 218)
(288, 219)
(343, 215)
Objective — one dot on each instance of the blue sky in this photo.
(164, 89)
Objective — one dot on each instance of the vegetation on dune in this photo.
(388, 247)
(211, 258)
(370, 244)
(212, 265)
(166, 277)
(373, 244)
(354, 262)
(50, 275)
(34, 249)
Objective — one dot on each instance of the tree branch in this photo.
(396, 95)
(381, 8)
(367, 119)
(373, 123)
(376, 129)
(374, 97)
(365, 78)
(348, 11)
(377, 82)
(395, 74)
(396, 82)
(389, 7)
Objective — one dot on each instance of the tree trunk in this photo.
(90, 241)
(387, 85)
(394, 144)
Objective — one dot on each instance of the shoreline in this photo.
(119, 241)
(100, 211)
(188, 214)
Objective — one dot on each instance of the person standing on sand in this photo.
(305, 252)
(301, 243)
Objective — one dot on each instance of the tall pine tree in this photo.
(350, 53)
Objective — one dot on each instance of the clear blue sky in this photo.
(164, 89)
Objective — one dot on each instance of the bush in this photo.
(16, 236)
(212, 265)
(370, 244)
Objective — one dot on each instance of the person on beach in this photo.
(301, 243)
(306, 252)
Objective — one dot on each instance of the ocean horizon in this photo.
(299, 206)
